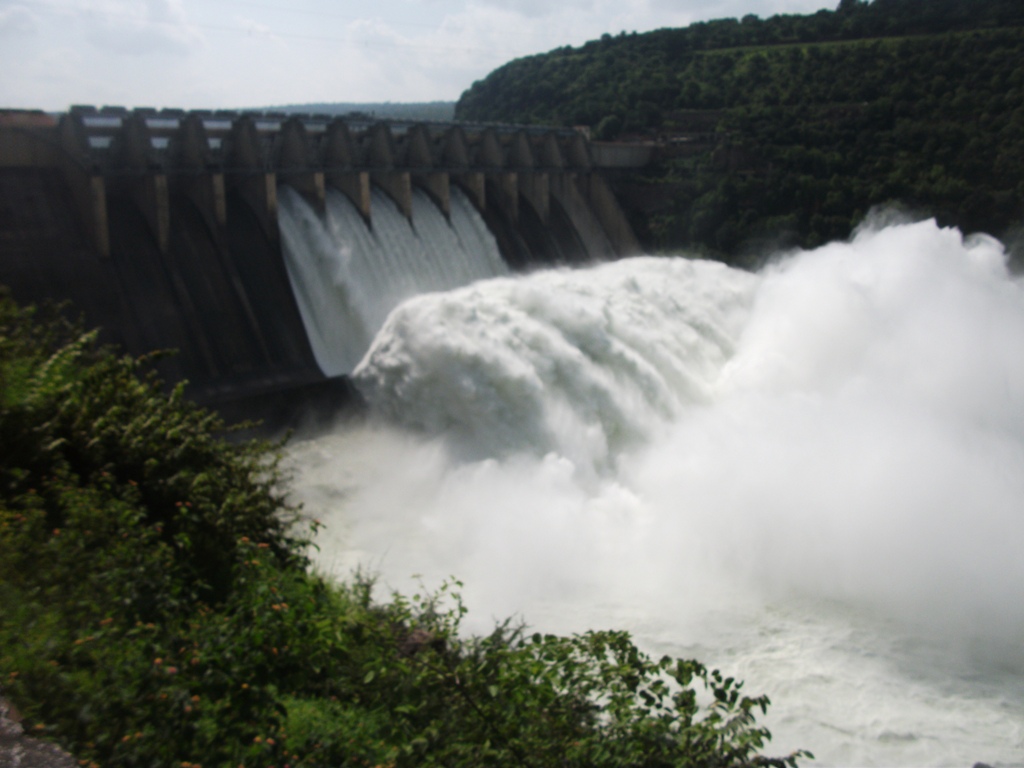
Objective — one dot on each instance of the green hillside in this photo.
(788, 130)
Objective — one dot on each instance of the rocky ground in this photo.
(20, 751)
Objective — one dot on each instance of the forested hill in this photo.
(789, 129)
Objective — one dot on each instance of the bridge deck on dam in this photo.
(162, 227)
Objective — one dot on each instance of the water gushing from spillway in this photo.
(811, 477)
(582, 363)
(347, 274)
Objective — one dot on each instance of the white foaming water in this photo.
(347, 276)
(812, 478)
(582, 363)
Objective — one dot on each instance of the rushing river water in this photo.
(811, 478)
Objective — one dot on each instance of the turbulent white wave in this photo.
(812, 477)
(583, 363)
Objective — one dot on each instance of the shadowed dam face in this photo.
(219, 298)
(810, 477)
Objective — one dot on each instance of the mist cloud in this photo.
(863, 440)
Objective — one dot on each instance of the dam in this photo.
(170, 229)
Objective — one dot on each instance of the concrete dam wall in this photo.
(162, 228)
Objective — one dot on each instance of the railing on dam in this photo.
(153, 154)
(217, 121)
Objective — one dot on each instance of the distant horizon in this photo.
(438, 110)
(336, 107)
(389, 102)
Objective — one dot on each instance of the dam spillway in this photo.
(164, 229)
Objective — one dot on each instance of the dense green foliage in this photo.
(157, 609)
(789, 129)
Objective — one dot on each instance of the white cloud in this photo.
(534, 8)
(255, 29)
(736, 9)
(17, 20)
(139, 27)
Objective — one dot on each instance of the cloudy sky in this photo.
(239, 53)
